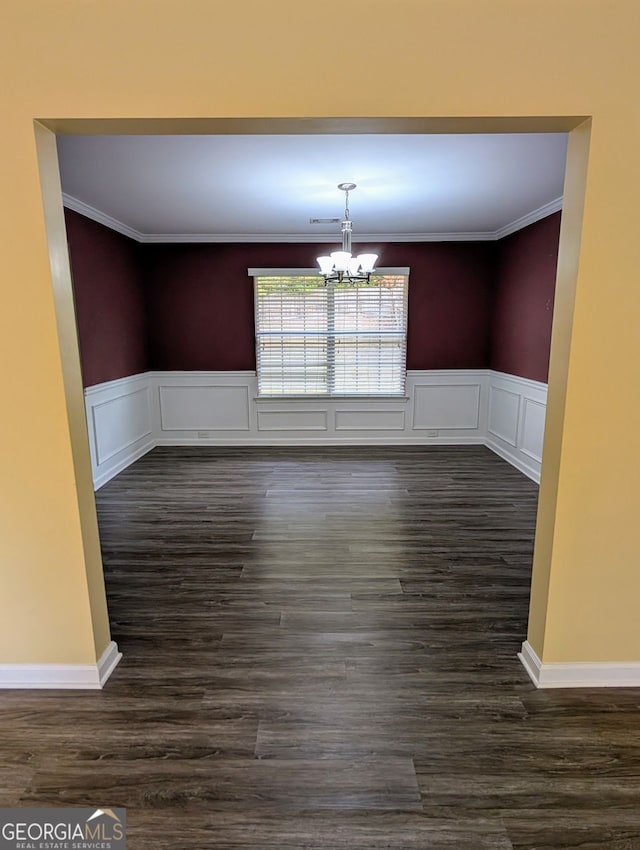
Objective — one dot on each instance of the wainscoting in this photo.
(120, 424)
(515, 421)
(128, 417)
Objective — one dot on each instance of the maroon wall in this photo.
(523, 306)
(184, 307)
(109, 298)
(200, 301)
(450, 300)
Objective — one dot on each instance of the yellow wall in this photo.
(200, 58)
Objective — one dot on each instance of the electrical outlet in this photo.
(432, 433)
(202, 435)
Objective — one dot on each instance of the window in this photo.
(334, 339)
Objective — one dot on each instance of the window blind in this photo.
(334, 339)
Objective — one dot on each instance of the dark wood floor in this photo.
(320, 653)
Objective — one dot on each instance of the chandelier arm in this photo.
(341, 277)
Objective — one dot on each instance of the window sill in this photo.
(333, 398)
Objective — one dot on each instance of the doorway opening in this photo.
(161, 409)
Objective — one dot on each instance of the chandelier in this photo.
(341, 266)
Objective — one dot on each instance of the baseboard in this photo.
(531, 663)
(108, 662)
(89, 677)
(115, 469)
(579, 674)
(321, 441)
(513, 459)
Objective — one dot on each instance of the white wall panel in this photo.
(515, 427)
(504, 410)
(369, 420)
(446, 407)
(212, 408)
(120, 424)
(532, 435)
(292, 420)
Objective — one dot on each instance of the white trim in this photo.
(430, 236)
(91, 677)
(451, 376)
(322, 238)
(531, 663)
(530, 218)
(511, 457)
(323, 441)
(119, 383)
(101, 478)
(94, 214)
(579, 674)
(380, 399)
(289, 272)
(205, 375)
(526, 382)
(108, 662)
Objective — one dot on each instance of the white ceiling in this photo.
(252, 188)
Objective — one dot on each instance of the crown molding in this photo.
(446, 236)
(530, 218)
(88, 211)
(326, 238)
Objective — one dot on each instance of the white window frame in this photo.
(313, 272)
